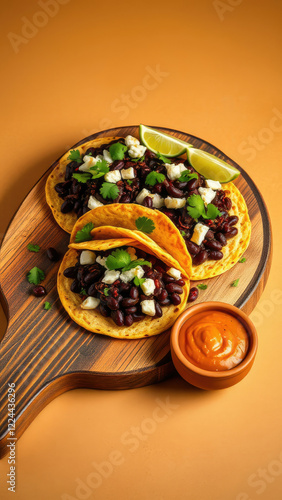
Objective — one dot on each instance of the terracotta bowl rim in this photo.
(222, 306)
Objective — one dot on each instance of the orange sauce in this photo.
(214, 340)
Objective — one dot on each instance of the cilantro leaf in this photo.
(118, 259)
(186, 176)
(75, 156)
(139, 281)
(82, 177)
(183, 234)
(129, 182)
(136, 263)
(101, 168)
(242, 260)
(84, 233)
(109, 190)
(201, 286)
(154, 177)
(144, 224)
(138, 159)
(117, 151)
(106, 292)
(35, 276)
(163, 158)
(47, 306)
(235, 283)
(33, 248)
(83, 291)
(196, 206)
(212, 212)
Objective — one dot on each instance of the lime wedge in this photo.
(159, 142)
(211, 167)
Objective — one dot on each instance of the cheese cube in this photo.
(174, 273)
(93, 203)
(87, 257)
(175, 202)
(158, 201)
(174, 171)
(131, 141)
(130, 275)
(207, 194)
(142, 195)
(107, 156)
(110, 277)
(101, 261)
(114, 176)
(148, 307)
(212, 184)
(127, 173)
(88, 161)
(199, 233)
(148, 286)
(137, 151)
(90, 303)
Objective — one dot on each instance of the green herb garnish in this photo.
(136, 263)
(197, 208)
(186, 176)
(154, 177)
(33, 248)
(183, 234)
(235, 283)
(163, 158)
(75, 156)
(84, 233)
(109, 190)
(118, 259)
(201, 286)
(35, 276)
(101, 168)
(145, 224)
(47, 306)
(138, 159)
(82, 177)
(117, 151)
(242, 260)
(129, 182)
(83, 291)
(139, 281)
(106, 292)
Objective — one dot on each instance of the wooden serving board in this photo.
(45, 353)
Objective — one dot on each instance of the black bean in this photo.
(138, 316)
(67, 206)
(60, 189)
(75, 286)
(174, 192)
(228, 203)
(200, 258)
(193, 294)
(180, 185)
(92, 290)
(131, 310)
(221, 238)
(70, 272)
(232, 220)
(126, 198)
(174, 288)
(69, 172)
(209, 235)
(193, 184)
(159, 311)
(164, 302)
(128, 302)
(118, 317)
(117, 165)
(192, 248)
(104, 310)
(215, 255)
(168, 279)
(128, 320)
(232, 232)
(39, 291)
(162, 295)
(123, 287)
(213, 245)
(92, 277)
(175, 299)
(112, 303)
(180, 282)
(148, 202)
(52, 254)
(134, 292)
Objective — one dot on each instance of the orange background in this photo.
(219, 65)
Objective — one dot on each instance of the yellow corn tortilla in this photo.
(67, 221)
(123, 217)
(236, 246)
(92, 320)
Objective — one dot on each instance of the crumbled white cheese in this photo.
(142, 195)
(131, 141)
(90, 303)
(93, 203)
(87, 257)
(174, 171)
(129, 275)
(127, 173)
(175, 202)
(114, 176)
(137, 151)
(212, 184)
(148, 286)
(88, 161)
(158, 201)
(148, 307)
(110, 277)
(107, 156)
(102, 261)
(199, 233)
(174, 273)
(132, 253)
(207, 194)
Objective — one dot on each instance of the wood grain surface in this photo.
(45, 354)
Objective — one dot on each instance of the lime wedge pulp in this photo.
(159, 142)
(211, 167)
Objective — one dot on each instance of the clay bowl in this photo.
(202, 378)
